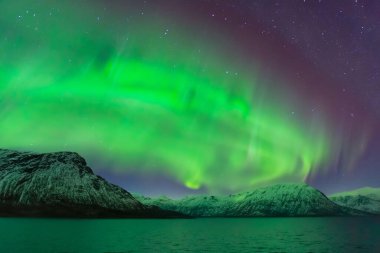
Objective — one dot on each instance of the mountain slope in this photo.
(370, 192)
(61, 184)
(277, 200)
(366, 199)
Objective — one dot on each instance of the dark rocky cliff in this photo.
(61, 184)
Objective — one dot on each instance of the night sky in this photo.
(186, 97)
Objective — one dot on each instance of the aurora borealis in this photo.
(169, 88)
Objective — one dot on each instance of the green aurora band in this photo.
(148, 100)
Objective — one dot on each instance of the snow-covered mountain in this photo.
(366, 199)
(61, 184)
(276, 200)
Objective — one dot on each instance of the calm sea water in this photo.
(195, 235)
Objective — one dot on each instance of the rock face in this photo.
(365, 199)
(61, 184)
(278, 200)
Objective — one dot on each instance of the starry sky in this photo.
(208, 96)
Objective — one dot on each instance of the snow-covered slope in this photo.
(366, 199)
(61, 184)
(370, 192)
(276, 200)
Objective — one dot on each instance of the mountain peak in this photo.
(365, 191)
(366, 199)
(61, 184)
(276, 200)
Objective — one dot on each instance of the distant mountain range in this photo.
(61, 184)
(285, 200)
(366, 199)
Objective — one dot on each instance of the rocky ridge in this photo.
(281, 200)
(61, 184)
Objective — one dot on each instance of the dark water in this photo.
(196, 235)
